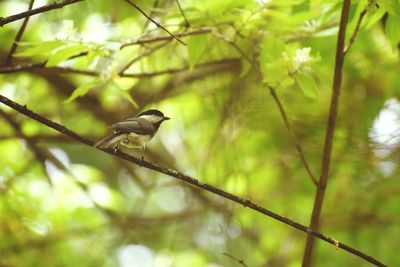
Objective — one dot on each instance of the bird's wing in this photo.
(136, 125)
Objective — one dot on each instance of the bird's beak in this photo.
(165, 118)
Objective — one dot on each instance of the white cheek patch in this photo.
(152, 118)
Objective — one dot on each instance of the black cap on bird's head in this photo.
(154, 112)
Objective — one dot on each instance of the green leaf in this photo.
(274, 72)
(121, 89)
(125, 94)
(65, 53)
(44, 48)
(272, 63)
(196, 46)
(307, 85)
(374, 17)
(393, 30)
(84, 89)
(391, 6)
(272, 49)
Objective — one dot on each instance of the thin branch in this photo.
(152, 12)
(227, 61)
(353, 36)
(164, 38)
(66, 70)
(55, 5)
(10, 69)
(140, 56)
(17, 68)
(19, 35)
(333, 111)
(293, 135)
(155, 22)
(240, 50)
(188, 180)
(241, 262)
(187, 24)
(278, 103)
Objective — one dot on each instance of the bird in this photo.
(133, 132)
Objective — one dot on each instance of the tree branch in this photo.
(55, 5)
(165, 38)
(353, 36)
(19, 35)
(188, 180)
(187, 24)
(241, 262)
(140, 56)
(278, 103)
(155, 22)
(62, 70)
(333, 111)
(293, 135)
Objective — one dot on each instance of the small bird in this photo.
(134, 132)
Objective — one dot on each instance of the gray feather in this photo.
(110, 141)
(136, 125)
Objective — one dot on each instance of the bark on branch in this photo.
(42, 9)
(330, 129)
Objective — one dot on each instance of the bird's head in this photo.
(153, 115)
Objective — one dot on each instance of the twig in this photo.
(333, 111)
(241, 262)
(19, 35)
(58, 70)
(353, 36)
(155, 22)
(240, 50)
(142, 55)
(278, 103)
(187, 24)
(55, 5)
(61, 70)
(164, 38)
(152, 12)
(227, 61)
(293, 135)
(187, 179)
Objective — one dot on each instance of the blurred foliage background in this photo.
(93, 63)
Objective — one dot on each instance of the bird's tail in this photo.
(109, 141)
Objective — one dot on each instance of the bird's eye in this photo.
(125, 141)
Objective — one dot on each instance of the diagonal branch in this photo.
(293, 135)
(64, 70)
(165, 38)
(188, 180)
(19, 35)
(278, 103)
(155, 22)
(140, 56)
(354, 34)
(241, 262)
(330, 129)
(187, 24)
(42, 9)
